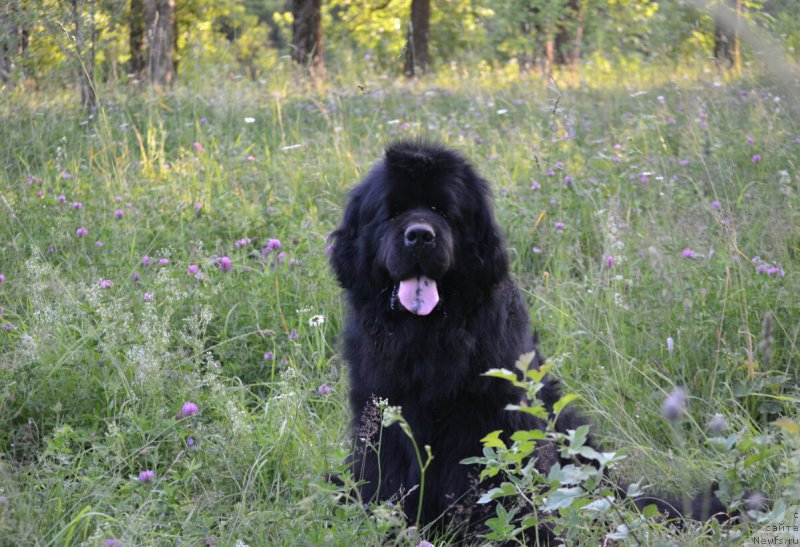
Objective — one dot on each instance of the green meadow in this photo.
(169, 366)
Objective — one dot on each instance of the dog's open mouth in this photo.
(418, 294)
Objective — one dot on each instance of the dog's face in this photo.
(416, 230)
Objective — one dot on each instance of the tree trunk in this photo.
(136, 39)
(569, 33)
(418, 38)
(84, 64)
(7, 36)
(13, 41)
(726, 32)
(307, 34)
(160, 24)
(549, 56)
(580, 18)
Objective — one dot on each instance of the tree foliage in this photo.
(40, 42)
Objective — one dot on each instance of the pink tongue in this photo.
(418, 295)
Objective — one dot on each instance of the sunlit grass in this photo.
(599, 187)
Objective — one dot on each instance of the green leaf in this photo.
(564, 401)
(572, 474)
(651, 511)
(578, 437)
(523, 364)
(538, 411)
(620, 535)
(493, 439)
(502, 373)
(491, 495)
(530, 522)
(601, 505)
(634, 490)
(536, 375)
(562, 498)
(531, 435)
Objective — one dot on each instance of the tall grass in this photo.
(635, 212)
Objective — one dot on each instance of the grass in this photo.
(93, 375)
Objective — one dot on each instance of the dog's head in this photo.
(419, 228)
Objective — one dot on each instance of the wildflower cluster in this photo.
(772, 269)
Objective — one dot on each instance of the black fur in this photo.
(431, 365)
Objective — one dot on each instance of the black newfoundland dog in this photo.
(432, 307)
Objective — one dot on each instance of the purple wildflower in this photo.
(324, 389)
(148, 296)
(163, 261)
(293, 335)
(559, 225)
(674, 405)
(106, 283)
(81, 232)
(756, 158)
(188, 409)
(269, 356)
(688, 253)
(769, 268)
(146, 260)
(610, 261)
(193, 269)
(670, 344)
(146, 476)
(536, 186)
(99, 244)
(77, 205)
(715, 204)
(61, 198)
(718, 424)
(243, 242)
(119, 213)
(2, 278)
(8, 327)
(225, 264)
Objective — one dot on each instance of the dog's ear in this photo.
(491, 260)
(344, 256)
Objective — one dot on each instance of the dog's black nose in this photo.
(419, 234)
